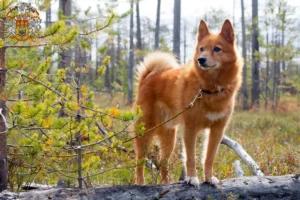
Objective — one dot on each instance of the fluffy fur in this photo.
(164, 89)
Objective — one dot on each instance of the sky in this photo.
(191, 10)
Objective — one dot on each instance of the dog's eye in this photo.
(201, 49)
(217, 49)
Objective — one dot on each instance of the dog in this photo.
(165, 89)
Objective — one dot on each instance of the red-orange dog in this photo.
(165, 89)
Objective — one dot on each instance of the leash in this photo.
(197, 96)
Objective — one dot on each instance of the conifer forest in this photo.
(68, 88)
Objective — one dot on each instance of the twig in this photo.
(40, 45)
(238, 169)
(49, 88)
(114, 168)
(105, 139)
(103, 27)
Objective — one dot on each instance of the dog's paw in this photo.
(213, 181)
(192, 180)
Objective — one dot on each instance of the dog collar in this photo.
(212, 92)
(203, 91)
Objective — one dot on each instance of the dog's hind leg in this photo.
(142, 145)
(167, 138)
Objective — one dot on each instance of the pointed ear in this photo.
(202, 30)
(227, 31)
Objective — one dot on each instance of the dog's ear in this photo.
(227, 31)
(202, 30)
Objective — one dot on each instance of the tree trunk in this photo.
(138, 27)
(113, 63)
(97, 57)
(157, 25)
(131, 59)
(78, 61)
(245, 89)
(119, 77)
(282, 56)
(267, 69)
(277, 78)
(184, 43)
(65, 6)
(48, 23)
(264, 188)
(176, 28)
(107, 73)
(118, 56)
(3, 127)
(255, 59)
(48, 17)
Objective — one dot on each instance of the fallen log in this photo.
(267, 187)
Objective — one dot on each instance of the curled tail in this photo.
(155, 63)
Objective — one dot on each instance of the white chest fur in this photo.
(214, 116)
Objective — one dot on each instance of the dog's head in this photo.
(213, 51)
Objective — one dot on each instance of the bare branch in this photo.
(238, 169)
(49, 88)
(40, 45)
(247, 159)
(103, 27)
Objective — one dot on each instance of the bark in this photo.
(184, 43)
(282, 56)
(107, 72)
(97, 56)
(267, 69)
(118, 57)
(157, 25)
(48, 23)
(118, 78)
(48, 17)
(244, 90)
(131, 59)
(65, 6)
(138, 27)
(113, 63)
(255, 60)
(3, 126)
(176, 28)
(263, 188)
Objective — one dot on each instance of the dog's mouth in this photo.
(205, 66)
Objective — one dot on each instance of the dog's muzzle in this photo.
(202, 61)
(204, 64)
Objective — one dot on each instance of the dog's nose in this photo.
(202, 60)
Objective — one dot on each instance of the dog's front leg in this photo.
(190, 137)
(214, 140)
